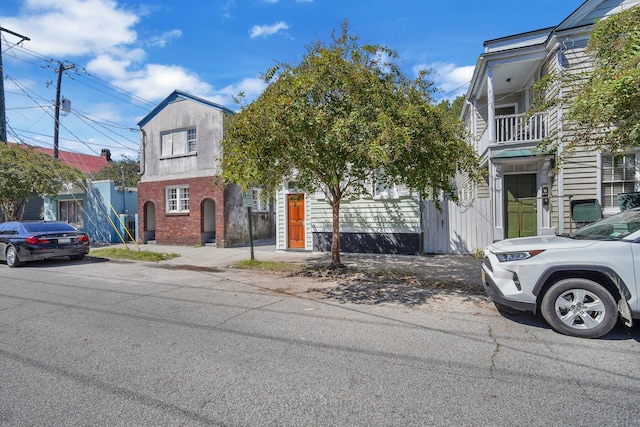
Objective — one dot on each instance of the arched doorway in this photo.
(149, 232)
(208, 222)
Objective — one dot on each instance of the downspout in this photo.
(560, 176)
(143, 143)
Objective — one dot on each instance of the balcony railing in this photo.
(521, 128)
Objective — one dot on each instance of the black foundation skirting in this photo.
(371, 243)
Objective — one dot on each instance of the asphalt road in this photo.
(123, 343)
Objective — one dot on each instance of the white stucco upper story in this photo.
(181, 138)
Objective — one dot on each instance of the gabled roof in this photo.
(86, 163)
(592, 11)
(177, 95)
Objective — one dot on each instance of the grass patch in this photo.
(254, 264)
(122, 253)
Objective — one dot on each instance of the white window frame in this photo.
(259, 205)
(176, 142)
(380, 190)
(629, 181)
(192, 140)
(177, 199)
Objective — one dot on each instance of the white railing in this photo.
(521, 128)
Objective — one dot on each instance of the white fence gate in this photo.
(456, 229)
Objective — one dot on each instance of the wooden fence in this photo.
(456, 229)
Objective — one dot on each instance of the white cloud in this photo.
(74, 27)
(107, 66)
(450, 79)
(163, 39)
(227, 9)
(105, 109)
(103, 33)
(251, 87)
(156, 81)
(267, 30)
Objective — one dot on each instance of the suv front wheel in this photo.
(579, 307)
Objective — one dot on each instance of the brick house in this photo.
(180, 200)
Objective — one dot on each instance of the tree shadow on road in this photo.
(388, 286)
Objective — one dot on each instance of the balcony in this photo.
(521, 128)
(515, 129)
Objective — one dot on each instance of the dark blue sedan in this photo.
(21, 242)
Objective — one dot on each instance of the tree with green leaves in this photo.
(606, 107)
(26, 173)
(127, 165)
(341, 117)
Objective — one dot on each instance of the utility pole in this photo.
(62, 68)
(3, 115)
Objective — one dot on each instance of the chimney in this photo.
(106, 154)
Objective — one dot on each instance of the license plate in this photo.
(64, 240)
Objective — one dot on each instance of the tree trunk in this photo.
(335, 241)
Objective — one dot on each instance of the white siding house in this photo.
(528, 192)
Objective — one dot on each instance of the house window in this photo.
(381, 189)
(384, 190)
(259, 205)
(71, 211)
(192, 140)
(178, 142)
(177, 199)
(618, 176)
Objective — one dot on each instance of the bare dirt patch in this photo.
(390, 286)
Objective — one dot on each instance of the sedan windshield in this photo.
(39, 227)
(616, 227)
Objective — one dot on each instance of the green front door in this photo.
(520, 204)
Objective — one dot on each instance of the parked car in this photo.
(581, 283)
(21, 242)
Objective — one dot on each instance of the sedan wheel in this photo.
(12, 257)
(579, 307)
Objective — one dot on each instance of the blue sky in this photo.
(128, 56)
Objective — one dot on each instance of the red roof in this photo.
(86, 163)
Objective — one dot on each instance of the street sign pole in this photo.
(247, 201)
(250, 232)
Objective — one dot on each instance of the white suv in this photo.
(581, 283)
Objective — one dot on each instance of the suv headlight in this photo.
(517, 256)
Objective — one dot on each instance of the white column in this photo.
(491, 105)
(497, 194)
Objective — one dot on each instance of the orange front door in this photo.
(295, 204)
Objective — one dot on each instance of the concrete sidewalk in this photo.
(458, 268)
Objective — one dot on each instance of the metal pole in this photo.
(124, 210)
(3, 117)
(250, 232)
(56, 125)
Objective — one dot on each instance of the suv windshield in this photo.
(616, 227)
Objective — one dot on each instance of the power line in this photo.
(3, 117)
